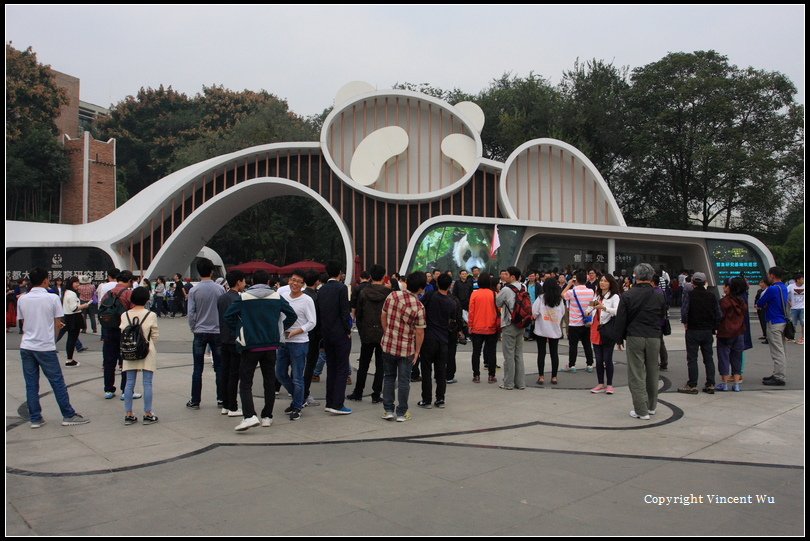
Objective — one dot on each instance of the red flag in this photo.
(496, 242)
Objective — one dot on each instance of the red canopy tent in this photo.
(306, 265)
(257, 264)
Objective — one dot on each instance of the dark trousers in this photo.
(247, 367)
(703, 340)
(338, 369)
(433, 354)
(201, 340)
(553, 347)
(762, 322)
(111, 355)
(604, 362)
(73, 324)
(663, 354)
(576, 335)
(366, 351)
(90, 312)
(452, 346)
(312, 359)
(231, 363)
(489, 342)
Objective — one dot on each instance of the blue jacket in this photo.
(254, 317)
(774, 301)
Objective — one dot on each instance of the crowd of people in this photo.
(411, 326)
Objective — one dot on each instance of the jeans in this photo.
(575, 335)
(320, 364)
(703, 339)
(230, 376)
(797, 317)
(397, 370)
(32, 362)
(433, 353)
(158, 305)
(514, 373)
(91, 312)
(642, 372)
(292, 356)
(247, 367)
(729, 355)
(553, 344)
(111, 355)
(338, 369)
(489, 343)
(604, 362)
(198, 353)
(366, 351)
(776, 344)
(147, 390)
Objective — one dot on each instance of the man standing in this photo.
(87, 292)
(700, 314)
(403, 322)
(111, 351)
(775, 301)
(579, 298)
(638, 320)
(314, 349)
(462, 290)
(292, 355)
(333, 310)
(592, 282)
(476, 272)
(514, 373)
(230, 357)
(203, 319)
(796, 301)
(535, 288)
(369, 326)
(39, 313)
(439, 310)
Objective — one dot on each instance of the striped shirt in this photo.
(584, 295)
(403, 314)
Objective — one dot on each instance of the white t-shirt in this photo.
(39, 309)
(304, 308)
(547, 320)
(796, 296)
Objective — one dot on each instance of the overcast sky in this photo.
(304, 54)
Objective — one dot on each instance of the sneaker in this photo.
(476, 379)
(295, 415)
(220, 403)
(109, 395)
(130, 420)
(504, 387)
(492, 379)
(135, 396)
(266, 421)
(774, 382)
(37, 424)
(423, 404)
(451, 381)
(289, 409)
(84, 348)
(388, 416)
(599, 389)
(342, 411)
(71, 362)
(737, 387)
(651, 412)
(236, 413)
(439, 403)
(403, 418)
(589, 369)
(247, 423)
(708, 389)
(355, 397)
(149, 419)
(75, 420)
(637, 416)
(521, 388)
(609, 389)
(193, 405)
(663, 367)
(311, 402)
(316, 379)
(687, 389)
(278, 393)
(768, 378)
(330, 410)
(376, 399)
(721, 387)
(224, 411)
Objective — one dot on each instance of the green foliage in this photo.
(790, 255)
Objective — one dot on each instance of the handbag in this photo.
(790, 330)
(586, 319)
(667, 328)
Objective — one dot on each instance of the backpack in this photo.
(134, 345)
(522, 312)
(109, 311)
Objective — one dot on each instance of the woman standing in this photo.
(145, 283)
(731, 335)
(548, 311)
(72, 308)
(148, 365)
(160, 296)
(607, 306)
(484, 325)
(11, 307)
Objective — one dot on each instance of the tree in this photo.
(36, 164)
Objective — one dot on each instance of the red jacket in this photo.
(484, 318)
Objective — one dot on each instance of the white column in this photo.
(611, 255)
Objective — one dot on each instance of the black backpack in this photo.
(110, 309)
(134, 345)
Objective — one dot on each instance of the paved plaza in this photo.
(542, 461)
